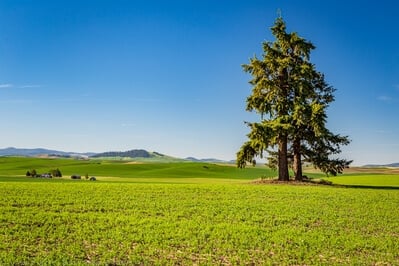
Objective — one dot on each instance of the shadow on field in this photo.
(329, 183)
(366, 186)
(322, 182)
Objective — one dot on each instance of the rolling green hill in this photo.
(120, 169)
(150, 170)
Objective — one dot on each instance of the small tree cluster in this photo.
(31, 173)
(56, 172)
(51, 173)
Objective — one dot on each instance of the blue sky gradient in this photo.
(166, 75)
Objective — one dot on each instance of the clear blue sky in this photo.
(166, 76)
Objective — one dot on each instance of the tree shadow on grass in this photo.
(367, 187)
(321, 182)
(329, 183)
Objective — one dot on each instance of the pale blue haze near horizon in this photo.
(166, 76)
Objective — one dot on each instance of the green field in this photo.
(202, 215)
(368, 180)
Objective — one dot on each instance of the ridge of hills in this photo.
(12, 151)
(137, 154)
(383, 165)
(132, 154)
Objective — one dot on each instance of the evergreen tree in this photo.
(272, 96)
(56, 172)
(59, 174)
(33, 173)
(291, 97)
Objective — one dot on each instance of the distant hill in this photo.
(130, 154)
(138, 154)
(206, 160)
(11, 151)
(382, 165)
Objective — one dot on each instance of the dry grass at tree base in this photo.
(305, 182)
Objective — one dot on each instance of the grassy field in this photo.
(368, 180)
(200, 217)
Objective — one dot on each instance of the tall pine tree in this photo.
(291, 97)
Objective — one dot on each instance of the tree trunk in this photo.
(297, 166)
(283, 174)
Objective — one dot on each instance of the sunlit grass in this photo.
(120, 223)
